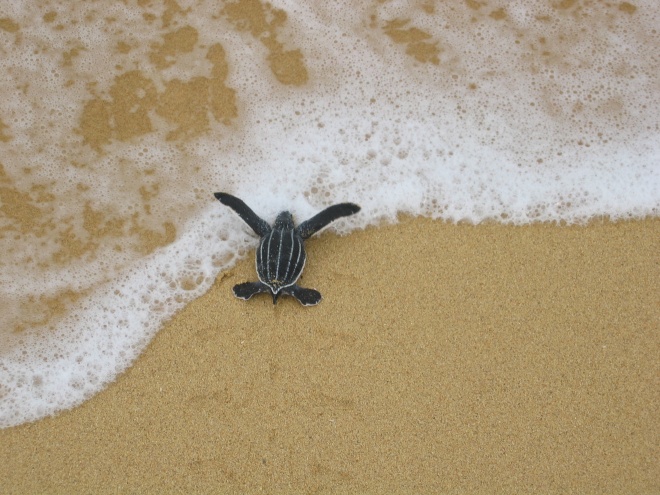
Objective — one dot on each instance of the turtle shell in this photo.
(281, 255)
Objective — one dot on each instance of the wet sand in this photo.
(443, 359)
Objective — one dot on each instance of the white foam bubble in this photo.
(527, 117)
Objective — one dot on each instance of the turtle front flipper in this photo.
(306, 297)
(309, 227)
(256, 223)
(248, 289)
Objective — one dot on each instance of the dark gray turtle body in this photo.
(281, 253)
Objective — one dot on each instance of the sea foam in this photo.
(119, 122)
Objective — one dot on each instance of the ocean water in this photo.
(118, 120)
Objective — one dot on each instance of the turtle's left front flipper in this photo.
(256, 223)
(306, 297)
(320, 220)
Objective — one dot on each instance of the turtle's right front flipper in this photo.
(320, 220)
(259, 225)
(248, 289)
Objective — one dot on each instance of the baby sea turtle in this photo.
(281, 253)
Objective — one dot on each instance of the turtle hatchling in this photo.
(281, 253)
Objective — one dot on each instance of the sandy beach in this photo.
(443, 359)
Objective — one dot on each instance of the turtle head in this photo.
(284, 221)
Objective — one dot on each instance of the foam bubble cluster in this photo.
(118, 122)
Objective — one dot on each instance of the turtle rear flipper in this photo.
(320, 220)
(306, 297)
(248, 289)
(256, 223)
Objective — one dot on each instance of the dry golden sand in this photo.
(444, 358)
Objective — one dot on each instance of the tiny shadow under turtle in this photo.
(281, 253)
